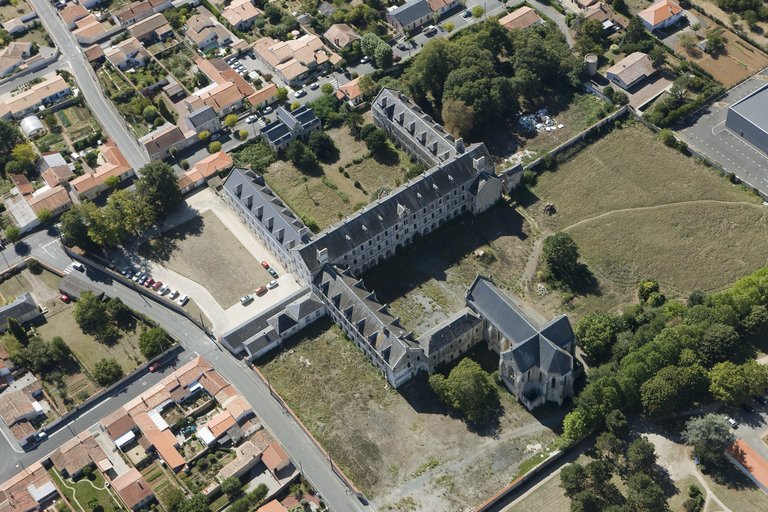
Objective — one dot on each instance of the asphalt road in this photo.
(103, 110)
(22, 79)
(45, 246)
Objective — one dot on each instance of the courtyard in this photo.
(402, 447)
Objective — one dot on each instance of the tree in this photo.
(149, 113)
(197, 503)
(204, 135)
(561, 256)
(715, 42)
(60, 351)
(112, 182)
(687, 42)
(242, 134)
(301, 156)
(214, 147)
(376, 48)
(44, 216)
(468, 388)
(367, 86)
(281, 94)
(153, 341)
(755, 324)
(718, 343)
(230, 120)
(321, 144)
(645, 495)
(89, 313)
(590, 37)
(609, 447)
(673, 388)
(327, 88)
(354, 122)
(376, 141)
(13, 234)
(658, 56)
(459, 118)
(231, 486)
(646, 288)
(478, 11)
(732, 383)
(107, 371)
(25, 154)
(17, 330)
(616, 423)
(596, 334)
(709, 435)
(641, 456)
(159, 187)
(10, 135)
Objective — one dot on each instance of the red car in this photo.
(157, 285)
(156, 366)
(265, 264)
(64, 298)
(261, 290)
(149, 283)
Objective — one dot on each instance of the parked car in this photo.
(732, 422)
(246, 299)
(149, 282)
(272, 285)
(314, 86)
(251, 119)
(65, 298)
(760, 399)
(402, 47)
(467, 14)
(157, 285)
(137, 276)
(267, 109)
(157, 365)
(272, 272)
(265, 264)
(299, 93)
(182, 300)
(163, 290)
(174, 294)
(261, 290)
(127, 271)
(748, 408)
(430, 30)
(364, 59)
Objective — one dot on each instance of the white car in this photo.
(182, 300)
(272, 285)
(732, 422)
(163, 290)
(174, 294)
(267, 110)
(299, 93)
(251, 119)
(314, 85)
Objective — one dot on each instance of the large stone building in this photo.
(461, 180)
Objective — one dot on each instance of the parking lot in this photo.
(708, 135)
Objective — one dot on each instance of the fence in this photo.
(336, 469)
(580, 136)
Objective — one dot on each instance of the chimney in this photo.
(322, 256)
(459, 145)
(479, 164)
(384, 102)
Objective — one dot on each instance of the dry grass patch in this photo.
(13, 287)
(399, 444)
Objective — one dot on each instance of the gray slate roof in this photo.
(262, 204)
(384, 213)
(23, 305)
(376, 325)
(530, 346)
(447, 332)
(199, 117)
(287, 123)
(413, 123)
(411, 11)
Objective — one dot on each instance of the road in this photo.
(316, 468)
(103, 110)
(26, 77)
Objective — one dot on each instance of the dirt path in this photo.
(658, 207)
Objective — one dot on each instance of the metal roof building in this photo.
(748, 118)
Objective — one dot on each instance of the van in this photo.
(182, 300)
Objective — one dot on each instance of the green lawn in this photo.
(548, 497)
(82, 492)
(13, 287)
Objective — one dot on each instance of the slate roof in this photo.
(21, 306)
(411, 11)
(384, 213)
(530, 346)
(287, 123)
(415, 124)
(447, 332)
(199, 117)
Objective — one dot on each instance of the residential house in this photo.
(631, 70)
(54, 169)
(29, 490)
(537, 365)
(73, 456)
(241, 14)
(440, 7)
(272, 506)
(152, 29)
(326, 9)
(120, 427)
(50, 91)
(608, 18)
(289, 126)
(662, 14)
(520, 18)
(90, 30)
(216, 427)
(90, 185)
(133, 490)
(94, 54)
(263, 96)
(21, 184)
(204, 118)
(14, 26)
(409, 16)
(203, 170)
(18, 410)
(23, 309)
(206, 33)
(340, 35)
(275, 458)
(73, 13)
(351, 92)
(137, 11)
(158, 144)
(55, 200)
(583, 4)
(161, 439)
(223, 98)
(294, 60)
(13, 56)
(127, 54)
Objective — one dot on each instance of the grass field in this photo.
(638, 209)
(12, 288)
(188, 250)
(13, 10)
(88, 350)
(400, 446)
(327, 196)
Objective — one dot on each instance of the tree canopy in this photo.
(153, 341)
(468, 388)
(709, 435)
(159, 187)
(107, 371)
